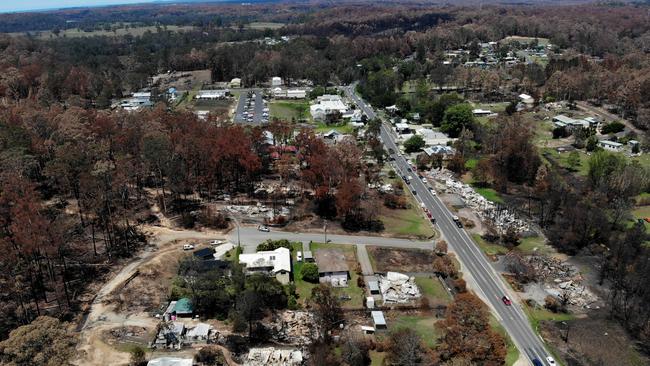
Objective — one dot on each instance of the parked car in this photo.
(263, 228)
(429, 214)
(216, 242)
(299, 256)
(415, 193)
(551, 361)
(188, 246)
(424, 180)
(537, 362)
(506, 300)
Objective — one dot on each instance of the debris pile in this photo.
(502, 219)
(398, 288)
(269, 356)
(563, 281)
(294, 327)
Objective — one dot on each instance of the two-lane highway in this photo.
(488, 283)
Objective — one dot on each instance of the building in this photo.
(373, 286)
(432, 137)
(611, 145)
(296, 94)
(212, 94)
(275, 263)
(276, 81)
(307, 256)
(443, 150)
(235, 83)
(142, 95)
(183, 308)
(172, 94)
(370, 302)
(325, 105)
(483, 112)
(199, 334)
(526, 99)
(571, 123)
(402, 128)
(332, 267)
(171, 361)
(378, 319)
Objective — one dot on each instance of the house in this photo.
(170, 335)
(212, 94)
(402, 128)
(202, 115)
(370, 302)
(235, 83)
(276, 81)
(208, 265)
(367, 330)
(332, 135)
(378, 319)
(526, 99)
(275, 263)
(439, 149)
(392, 109)
(204, 254)
(571, 123)
(332, 267)
(483, 112)
(172, 94)
(142, 95)
(325, 105)
(432, 137)
(171, 361)
(373, 286)
(200, 333)
(415, 116)
(610, 145)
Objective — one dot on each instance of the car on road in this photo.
(506, 300)
(216, 242)
(263, 228)
(424, 180)
(457, 221)
(188, 246)
(537, 362)
(408, 170)
(429, 214)
(433, 220)
(299, 256)
(551, 361)
(415, 193)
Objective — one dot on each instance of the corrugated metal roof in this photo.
(378, 317)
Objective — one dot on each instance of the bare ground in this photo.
(401, 260)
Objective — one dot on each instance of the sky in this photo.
(26, 5)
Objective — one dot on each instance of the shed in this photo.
(307, 256)
(373, 285)
(200, 332)
(184, 307)
(370, 302)
(367, 330)
(378, 319)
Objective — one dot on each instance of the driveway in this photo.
(364, 260)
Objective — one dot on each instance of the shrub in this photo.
(309, 272)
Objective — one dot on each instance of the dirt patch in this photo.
(401, 260)
(149, 287)
(593, 340)
(123, 337)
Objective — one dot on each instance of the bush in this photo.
(309, 272)
(274, 244)
(414, 143)
(395, 201)
(560, 132)
(210, 356)
(614, 127)
(138, 356)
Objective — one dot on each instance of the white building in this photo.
(296, 93)
(325, 105)
(526, 99)
(402, 128)
(610, 145)
(212, 94)
(171, 361)
(276, 263)
(235, 83)
(276, 81)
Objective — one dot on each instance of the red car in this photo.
(506, 300)
(428, 214)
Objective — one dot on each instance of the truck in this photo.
(457, 221)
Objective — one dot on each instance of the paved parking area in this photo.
(247, 113)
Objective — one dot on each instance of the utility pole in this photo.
(325, 231)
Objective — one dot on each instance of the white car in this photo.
(551, 361)
(263, 228)
(188, 246)
(424, 180)
(299, 256)
(216, 242)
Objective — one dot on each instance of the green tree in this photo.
(592, 143)
(309, 272)
(138, 356)
(573, 160)
(614, 127)
(44, 342)
(414, 144)
(457, 118)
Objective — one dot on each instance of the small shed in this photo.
(378, 319)
(370, 302)
(307, 256)
(373, 285)
(184, 308)
(367, 330)
(200, 333)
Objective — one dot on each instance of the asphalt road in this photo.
(490, 284)
(259, 107)
(251, 237)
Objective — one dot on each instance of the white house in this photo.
(276, 263)
(610, 145)
(325, 105)
(212, 94)
(235, 83)
(526, 99)
(402, 128)
(276, 81)
(296, 93)
(483, 112)
(570, 123)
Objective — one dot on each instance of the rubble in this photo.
(294, 327)
(270, 356)
(398, 288)
(562, 280)
(502, 219)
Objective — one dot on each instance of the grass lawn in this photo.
(377, 358)
(488, 248)
(407, 222)
(471, 163)
(424, 326)
(344, 127)
(288, 110)
(490, 194)
(264, 25)
(537, 314)
(512, 354)
(641, 212)
(528, 245)
(135, 31)
(642, 197)
(522, 39)
(432, 289)
(562, 159)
